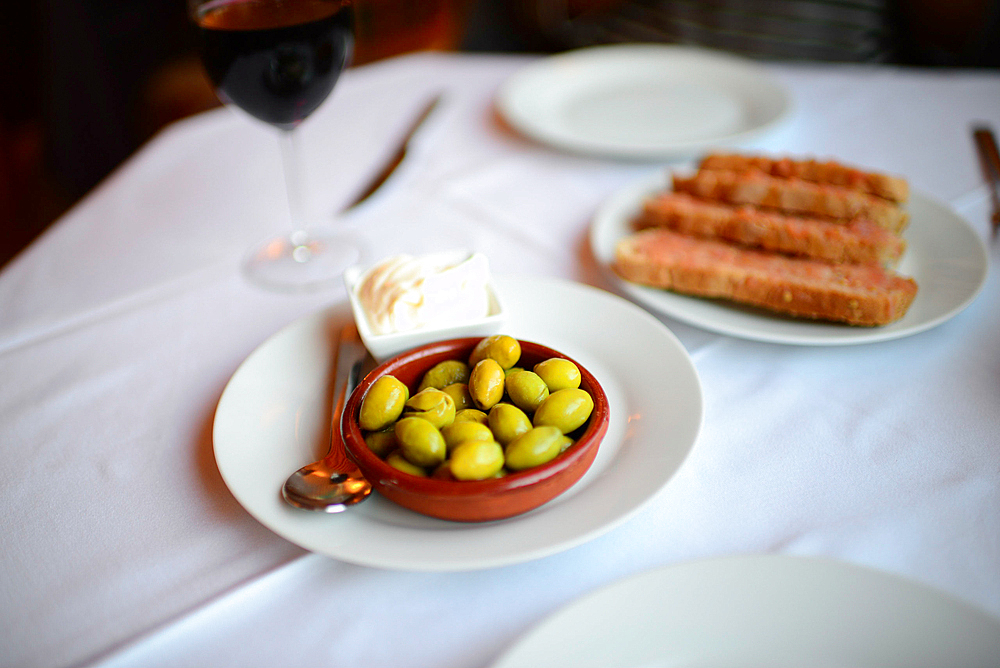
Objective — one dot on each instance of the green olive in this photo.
(526, 390)
(433, 405)
(381, 442)
(505, 350)
(486, 384)
(383, 403)
(476, 460)
(472, 415)
(420, 441)
(534, 447)
(507, 422)
(444, 374)
(459, 393)
(460, 432)
(558, 374)
(443, 471)
(397, 461)
(566, 409)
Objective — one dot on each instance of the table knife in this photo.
(397, 156)
(986, 143)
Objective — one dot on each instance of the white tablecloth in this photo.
(120, 327)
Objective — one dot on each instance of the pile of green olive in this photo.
(478, 418)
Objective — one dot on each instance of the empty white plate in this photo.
(642, 101)
(767, 610)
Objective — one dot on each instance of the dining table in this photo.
(125, 326)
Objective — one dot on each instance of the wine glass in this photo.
(278, 60)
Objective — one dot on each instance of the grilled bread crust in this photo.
(792, 196)
(865, 295)
(854, 242)
(830, 172)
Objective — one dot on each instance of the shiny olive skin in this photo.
(566, 409)
(444, 374)
(478, 420)
(383, 403)
(397, 461)
(420, 441)
(534, 447)
(526, 390)
(558, 374)
(507, 422)
(472, 415)
(476, 460)
(459, 393)
(486, 384)
(460, 432)
(382, 442)
(433, 405)
(443, 471)
(505, 350)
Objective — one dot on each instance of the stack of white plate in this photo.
(824, 30)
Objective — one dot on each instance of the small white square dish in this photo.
(423, 292)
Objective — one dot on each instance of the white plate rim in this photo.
(929, 219)
(255, 448)
(721, 611)
(518, 105)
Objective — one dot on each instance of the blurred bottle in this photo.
(385, 28)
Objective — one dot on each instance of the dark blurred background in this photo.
(86, 82)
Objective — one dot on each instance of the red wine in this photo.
(276, 59)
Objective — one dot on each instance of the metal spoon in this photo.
(334, 483)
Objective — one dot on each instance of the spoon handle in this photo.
(350, 357)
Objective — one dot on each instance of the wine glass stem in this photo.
(293, 185)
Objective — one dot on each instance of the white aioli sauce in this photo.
(406, 292)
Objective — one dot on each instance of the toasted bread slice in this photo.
(792, 196)
(865, 295)
(833, 173)
(854, 242)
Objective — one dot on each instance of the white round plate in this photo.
(642, 101)
(273, 418)
(773, 611)
(944, 255)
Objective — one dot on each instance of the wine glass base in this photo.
(302, 261)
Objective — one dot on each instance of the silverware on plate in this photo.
(986, 143)
(334, 483)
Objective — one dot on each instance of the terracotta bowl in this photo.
(480, 500)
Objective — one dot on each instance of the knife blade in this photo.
(396, 159)
(989, 157)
